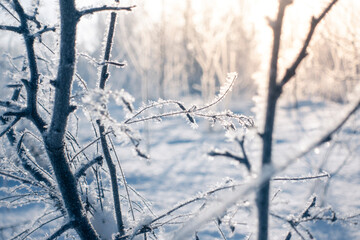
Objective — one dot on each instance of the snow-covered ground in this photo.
(180, 169)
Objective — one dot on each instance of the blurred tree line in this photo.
(185, 52)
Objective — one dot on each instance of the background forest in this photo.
(167, 122)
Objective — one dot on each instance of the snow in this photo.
(179, 169)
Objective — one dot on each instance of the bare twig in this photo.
(228, 154)
(231, 78)
(117, 64)
(11, 28)
(44, 30)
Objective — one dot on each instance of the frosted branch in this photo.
(104, 8)
(104, 144)
(194, 110)
(10, 126)
(34, 169)
(224, 90)
(324, 175)
(84, 168)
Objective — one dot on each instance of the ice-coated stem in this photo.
(104, 144)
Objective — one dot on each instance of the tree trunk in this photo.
(54, 138)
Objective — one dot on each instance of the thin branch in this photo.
(21, 113)
(272, 96)
(241, 142)
(31, 85)
(274, 92)
(11, 28)
(109, 42)
(104, 8)
(87, 146)
(328, 136)
(324, 175)
(220, 231)
(20, 179)
(10, 126)
(19, 196)
(117, 64)
(231, 78)
(105, 147)
(153, 105)
(61, 230)
(123, 178)
(181, 205)
(306, 212)
(6, 9)
(10, 105)
(149, 228)
(44, 30)
(40, 226)
(81, 80)
(290, 72)
(25, 156)
(84, 168)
